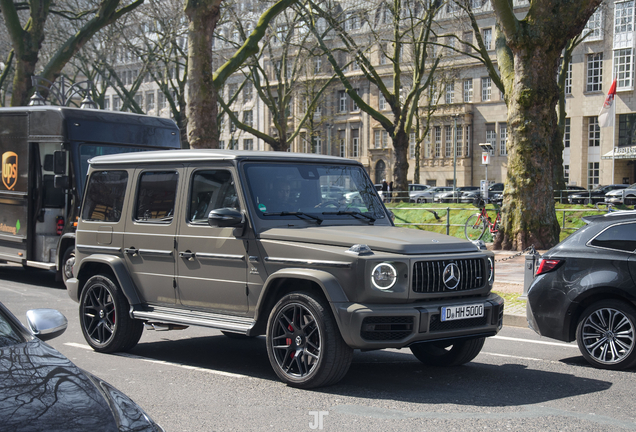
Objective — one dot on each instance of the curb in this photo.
(515, 320)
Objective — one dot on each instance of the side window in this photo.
(156, 197)
(105, 196)
(619, 237)
(210, 190)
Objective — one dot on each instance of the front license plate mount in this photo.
(453, 313)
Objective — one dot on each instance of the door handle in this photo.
(131, 251)
(187, 255)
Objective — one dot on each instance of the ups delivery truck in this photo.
(45, 152)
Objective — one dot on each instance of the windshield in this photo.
(313, 192)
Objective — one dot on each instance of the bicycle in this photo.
(476, 224)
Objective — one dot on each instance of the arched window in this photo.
(380, 171)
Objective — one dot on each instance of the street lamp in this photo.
(62, 94)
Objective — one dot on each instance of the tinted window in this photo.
(105, 196)
(156, 196)
(8, 335)
(211, 190)
(620, 237)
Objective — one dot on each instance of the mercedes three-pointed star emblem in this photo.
(451, 276)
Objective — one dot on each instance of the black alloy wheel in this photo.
(104, 316)
(304, 345)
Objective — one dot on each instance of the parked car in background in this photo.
(495, 193)
(429, 194)
(453, 195)
(593, 196)
(41, 390)
(562, 195)
(584, 289)
(416, 188)
(625, 196)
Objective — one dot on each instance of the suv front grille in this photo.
(428, 276)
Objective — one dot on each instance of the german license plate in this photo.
(452, 313)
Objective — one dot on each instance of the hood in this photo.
(41, 390)
(390, 239)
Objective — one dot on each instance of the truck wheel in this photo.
(448, 353)
(605, 335)
(304, 345)
(68, 260)
(104, 317)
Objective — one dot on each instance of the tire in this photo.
(447, 353)
(605, 335)
(66, 265)
(587, 201)
(104, 316)
(237, 336)
(304, 345)
(629, 201)
(475, 227)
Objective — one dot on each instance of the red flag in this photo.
(608, 112)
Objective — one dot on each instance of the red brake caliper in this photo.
(288, 341)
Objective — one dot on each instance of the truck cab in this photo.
(45, 152)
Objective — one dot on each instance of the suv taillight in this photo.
(547, 265)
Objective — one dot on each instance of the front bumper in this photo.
(371, 326)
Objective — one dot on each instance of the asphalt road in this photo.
(199, 380)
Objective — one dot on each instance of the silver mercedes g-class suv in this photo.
(296, 247)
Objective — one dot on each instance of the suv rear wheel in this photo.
(605, 335)
(304, 344)
(448, 353)
(104, 318)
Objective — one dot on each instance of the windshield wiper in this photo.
(355, 214)
(297, 214)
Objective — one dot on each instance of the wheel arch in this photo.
(285, 281)
(110, 265)
(66, 241)
(589, 298)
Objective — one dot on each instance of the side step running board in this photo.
(162, 315)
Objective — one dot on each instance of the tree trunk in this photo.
(400, 172)
(202, 102)
(529, 217)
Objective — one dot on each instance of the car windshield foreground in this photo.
(296, 247)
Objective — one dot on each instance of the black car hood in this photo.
(41, 390)
(379, 238)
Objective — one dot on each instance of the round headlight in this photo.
(491, 270)
(384, 276)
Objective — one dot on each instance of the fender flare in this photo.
(118, 268)
(326, 281)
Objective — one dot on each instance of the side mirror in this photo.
(61, 182)
(46, 324)
(59, 162)
(225, 217)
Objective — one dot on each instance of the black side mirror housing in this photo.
(226, 217)
(59, 162)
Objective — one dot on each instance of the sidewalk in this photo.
(509, 275)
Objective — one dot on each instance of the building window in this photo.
(427, 145)
(593, 174)
(438, 141)
(594, 27)
(248, 90)
(468, 90)
(221, 144)
(467, 38)
(623, 69)
(106, 103)
(487, 38)
(232, 89)
(248, 118)
(594, 72)
(385, 139)
(150, 101)
(233, 145)
(381, 102)
(161, 100)
(486, 89)
(623, 24)
(355, 143)
(317, 145)
(459, 131)
(412, 145)
(450, 93)
(566, 173)
(491, 137)
(593, 132)
(568, 80)
(354, 105)
(566, 134)
(376, 139)
(467, 140)
(248, 144)
(317, 64)
(342, 143)
(503, 137)
(448, 132)
(342, 101)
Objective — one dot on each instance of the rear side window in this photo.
(105, 196)
(156, 196)
(619, 237)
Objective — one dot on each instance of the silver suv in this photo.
(249, 243)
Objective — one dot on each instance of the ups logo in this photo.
(9, 169)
